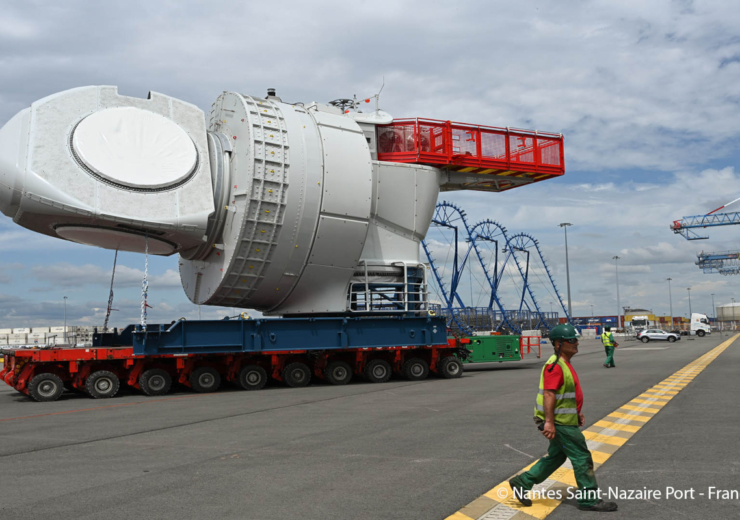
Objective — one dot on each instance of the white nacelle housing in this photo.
(271, 206)
(56, 178)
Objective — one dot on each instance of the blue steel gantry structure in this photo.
(487, 248)
(687, 226)
(726, 263)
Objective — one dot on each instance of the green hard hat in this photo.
(564, 331)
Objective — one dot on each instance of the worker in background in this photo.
(557, 414)
(607, 338)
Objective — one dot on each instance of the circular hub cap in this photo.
(379, 371)
(156, 383)
(103, 385)
(47, 388)
(135, 148)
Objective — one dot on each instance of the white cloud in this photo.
(69, 275)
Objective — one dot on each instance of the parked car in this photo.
(657, 335)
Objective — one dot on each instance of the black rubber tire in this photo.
(645, 339)
(378, 371)
(338, 373)
(415, 369)
(252, 377)
(204, 380)
(155, 381)
(700, 333)
(102, 384)
(297, 375)
(671, 339)
(450, 368)
(45, 387)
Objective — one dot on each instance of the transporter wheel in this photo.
(155, 381)
(645, 339)
(415, 369)
(378, 371)
(297, 375)
(45, 387)
(252, 377)
(102, 384)
(205, 379)
(671, 339)
(700, 333)
(450, 368)
(338, 373)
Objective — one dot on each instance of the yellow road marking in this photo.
(459, 516)
(643, 401)
(647, 396)
(599, 456)
(617, 426)
(502, 494)
(604, 439)
(631, 417)
(640, 408)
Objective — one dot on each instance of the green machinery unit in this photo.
(488, 349)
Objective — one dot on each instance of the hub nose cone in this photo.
(13, 144)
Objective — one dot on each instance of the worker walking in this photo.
(557, 414)
(607, 338)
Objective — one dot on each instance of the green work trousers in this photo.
(569, 443)
(609, 356)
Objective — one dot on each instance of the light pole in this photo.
(565, 225)
(714, 313)
(670, 300)
(733, 314)
(65, 319)
(619, 309)
(689, 289)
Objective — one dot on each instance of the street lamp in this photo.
(689, 289)
(65, 319)
(714, 313)
(734, 325)
(565, 225)
(592, 311)
(670, 299)
(619, 309)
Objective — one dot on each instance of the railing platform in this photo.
(499, 152)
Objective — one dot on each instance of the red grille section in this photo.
(472, 148)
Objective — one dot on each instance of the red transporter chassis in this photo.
(44, 373)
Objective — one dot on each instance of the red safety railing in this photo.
(528, 343)
(445, 143)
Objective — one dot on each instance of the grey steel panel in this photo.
(338, 242)
(321, 289)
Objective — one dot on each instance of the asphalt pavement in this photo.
(412, 450)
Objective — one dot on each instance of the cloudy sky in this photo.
(646, 94)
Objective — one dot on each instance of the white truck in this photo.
(640, 322)
(700, 324)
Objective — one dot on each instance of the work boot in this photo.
(600, 506)
(519, 491)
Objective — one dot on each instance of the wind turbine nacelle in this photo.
(271, 206)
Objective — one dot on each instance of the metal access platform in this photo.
(499, 152)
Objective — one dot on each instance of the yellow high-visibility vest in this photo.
(566, 406)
